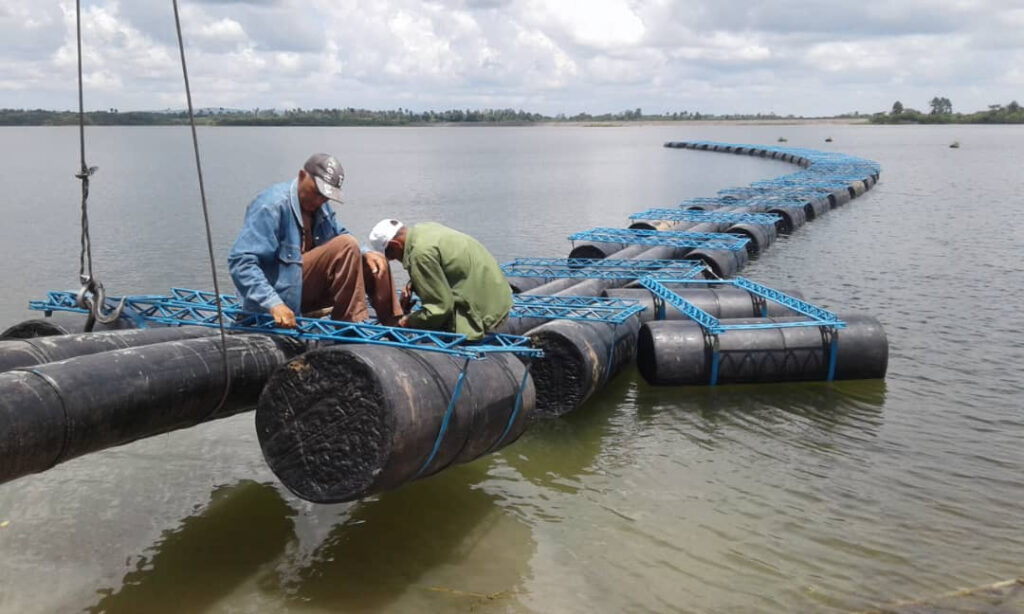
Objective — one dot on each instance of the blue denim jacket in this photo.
(266, 260)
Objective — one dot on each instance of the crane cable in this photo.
(206, 217)
(91, 296)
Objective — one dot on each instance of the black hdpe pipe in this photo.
(60, 323)
(36, 351)
(838, 198)
(723, 303)
(792, 218)
(340, 423)
(816, 208)
(723, 263)
(760, 236)
(587, 287)
(544, 287)
(678, 352)
(58, 411)
(579, 359)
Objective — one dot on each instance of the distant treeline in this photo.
(342, 117)
(941, 112)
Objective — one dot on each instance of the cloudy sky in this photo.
(803, 57)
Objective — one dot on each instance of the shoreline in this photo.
(538, 124)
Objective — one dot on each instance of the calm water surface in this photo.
(775, 498)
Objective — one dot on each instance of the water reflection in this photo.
(851, 407)
(411, 549)
(244, 527)
(555, 453)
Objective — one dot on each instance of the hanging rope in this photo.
(206, 216)
(91, 296)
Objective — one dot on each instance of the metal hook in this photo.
(97, 301)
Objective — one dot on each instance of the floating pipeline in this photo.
(25, 352)
(565, 377)
(45, 421)
(57, 411)
(340, 423)
(680, 353)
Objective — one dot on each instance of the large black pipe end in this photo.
(863, 349)
(339, 423)
(578, 359)
(323, 425)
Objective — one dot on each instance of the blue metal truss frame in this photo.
(673, 238)
(579, 308)
(718, 217)
(189, 307)
(602, 268)
(828, 322)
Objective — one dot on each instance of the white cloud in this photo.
(542, 55)
(598, 24)
(223, 31)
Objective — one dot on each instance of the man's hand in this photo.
(403, 322)
(405, 302)
(283, 316)
(376, 261)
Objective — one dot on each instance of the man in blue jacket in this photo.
(292, 255)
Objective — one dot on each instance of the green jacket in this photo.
(460, 285)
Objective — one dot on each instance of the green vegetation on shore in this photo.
(346, 117)
(941, 112)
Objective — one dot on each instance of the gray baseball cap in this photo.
(328, 174)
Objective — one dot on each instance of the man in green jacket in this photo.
(461, 287)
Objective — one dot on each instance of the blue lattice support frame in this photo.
(601, 268)
(718, 217)
(828, 322)
(673, 238)
(186, 307)
(579, 308)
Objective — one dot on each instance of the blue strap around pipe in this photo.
(515, 409)
(444, 421)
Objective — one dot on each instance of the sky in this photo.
(805, 58)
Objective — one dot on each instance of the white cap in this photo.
(384, 231)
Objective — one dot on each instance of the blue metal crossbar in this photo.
(188, 307)
(706, 240)
(822, 318)
(580, 308)
(716, 217)
(601, 268)
(705, 201)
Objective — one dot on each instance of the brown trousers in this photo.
(336, 275)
